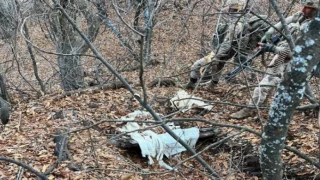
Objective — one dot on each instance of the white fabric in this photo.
(155, 145)
(183, 100)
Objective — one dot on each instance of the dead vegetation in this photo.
(90, 117)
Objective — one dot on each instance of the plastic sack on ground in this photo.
(183, 100)
(156, 146)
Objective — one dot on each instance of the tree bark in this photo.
(8, 18)
(149, 13)
(288, 96)
(69, 44)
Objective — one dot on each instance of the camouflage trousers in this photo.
(213, 67)
(203, 66)
(264, 88)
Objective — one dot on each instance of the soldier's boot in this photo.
(211, 85)
(191, 84)
(243, 113)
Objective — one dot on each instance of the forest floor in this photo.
(28, 137)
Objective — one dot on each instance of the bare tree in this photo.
(68, 43)
(288, 96)
(8, 28)
(145, 12)
(8, 18)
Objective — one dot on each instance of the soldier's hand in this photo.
(266, 38)
(266, 47)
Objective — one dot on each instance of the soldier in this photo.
(281, 60)
(235, 45)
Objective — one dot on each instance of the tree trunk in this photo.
(149, 13)
(69, 44)
(71, 72)
(8, 18)
(288, 96)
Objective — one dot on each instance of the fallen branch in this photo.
(61, 141)
(295, 151)
(40, 175)
(308, 106)
(202, 133)
(19, 175)
(95, 89)
(162, 82)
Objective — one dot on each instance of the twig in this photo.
(20, 73)
(34, 63)
(19, 174)
(49, 52)
(94, 154)
(31, 53)
(309, 106)
(24, 166)
(303, 156)
(289, 8)
(124, 22)
(319, 134)
(288, 35)
(297, 152)
(242, 128)
(141, 70)
(19, 123)
(108, 23)
(309, 95)
(210, 146)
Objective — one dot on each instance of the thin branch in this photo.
(297, 152)
(34, 63)
(289, 8)
(319, 133)
(63, 146)
(107, 22)
(284, 23)
(44, 51)
(241, 128)
(210, 146)
(20, 73)
(308, 106)
(142, 59)
(24, 166)
(303, 156)
(32, 56)
(118, 13)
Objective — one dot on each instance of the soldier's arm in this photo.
(278, 26)
(282, 49)
(283, 52)
(233, 31)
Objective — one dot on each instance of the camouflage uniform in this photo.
(225, 51)
(278, 65)
(235, 45)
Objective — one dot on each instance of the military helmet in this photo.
(311, 4)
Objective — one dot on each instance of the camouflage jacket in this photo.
(294, 20)
(295, 23)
